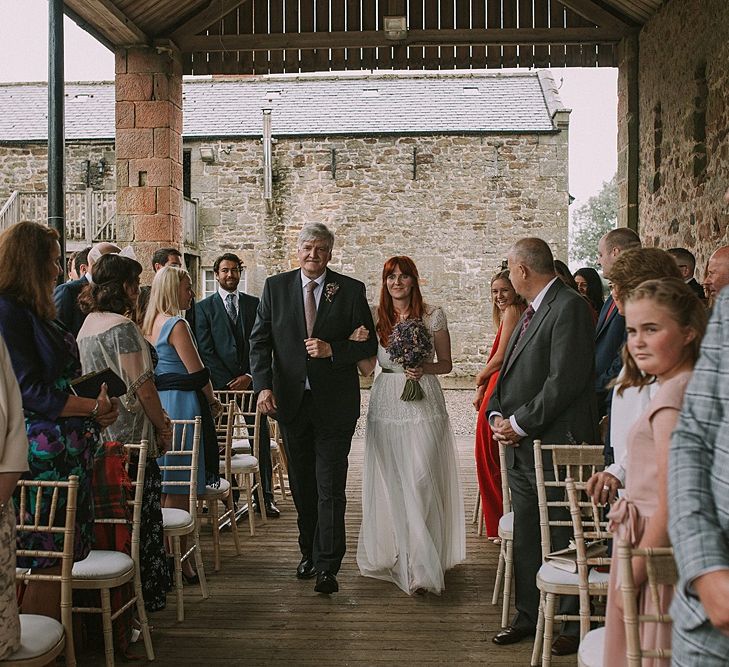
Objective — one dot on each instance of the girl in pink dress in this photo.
(508, 307)
(665, 322)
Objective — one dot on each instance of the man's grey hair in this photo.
(316, 231)
(535, 254)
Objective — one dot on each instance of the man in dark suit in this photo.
(223, 324)
(545, 391)
(65, 296)
(687, 265)
(305, 368)
(610, 327)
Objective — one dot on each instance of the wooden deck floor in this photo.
(258, 613)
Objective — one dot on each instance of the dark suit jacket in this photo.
(546, 381)
(609, 340)
(223, 345)
(278, 354)
(67, 310)
(695, 285)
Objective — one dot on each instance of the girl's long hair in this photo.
(519, 301)
(386, 317)
(164, 295)
(22, 247)
(675, 296)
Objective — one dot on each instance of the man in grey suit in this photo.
(699, 508)
(545, 391)
(305, 368)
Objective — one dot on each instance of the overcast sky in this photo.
(590, 93)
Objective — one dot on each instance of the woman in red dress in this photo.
(508, 307)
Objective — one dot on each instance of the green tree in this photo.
(591, 221)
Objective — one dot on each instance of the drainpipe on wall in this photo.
(267, 167)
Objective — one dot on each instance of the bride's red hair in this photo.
(386, 317)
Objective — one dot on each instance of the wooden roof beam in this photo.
(376, 38)
(596, 14)
(213, 12)
(108, 21)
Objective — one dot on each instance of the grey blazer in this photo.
(547, 379)
(699, 470)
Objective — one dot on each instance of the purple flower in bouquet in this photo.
(409, 345)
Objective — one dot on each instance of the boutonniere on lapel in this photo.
(330, 289)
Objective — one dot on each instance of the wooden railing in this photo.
(90, 214)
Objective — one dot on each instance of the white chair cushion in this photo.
(175, 518)
(553, 575)
(506, 525)
(241, 445)
(590, 653)
(100, 564)
(220, 490)
(21, 570)
(38, 635)
(241, 463)
(274, 445)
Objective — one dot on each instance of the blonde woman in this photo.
(182, 380)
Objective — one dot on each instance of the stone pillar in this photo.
(628, 133)
(149, 150)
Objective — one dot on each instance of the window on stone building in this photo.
(657, 141)
(186, 172)
(699, 123)
(210, 285)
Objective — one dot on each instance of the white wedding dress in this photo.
(413, 526)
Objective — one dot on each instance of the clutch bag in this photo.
(89, 385)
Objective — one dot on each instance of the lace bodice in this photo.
(434, 319)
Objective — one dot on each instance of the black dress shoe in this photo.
(565, 645)
(306, 569)
(512, 635)
(272, 512)
(326, 582)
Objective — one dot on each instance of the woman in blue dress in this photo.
(182, 381)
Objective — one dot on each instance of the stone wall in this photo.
(471, 197)
(684, 127)
(453, 203)
(24, 167)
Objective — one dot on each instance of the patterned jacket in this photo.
(699, 470)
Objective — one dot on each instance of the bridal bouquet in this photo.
(409, 345)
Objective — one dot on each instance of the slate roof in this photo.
(308, 105)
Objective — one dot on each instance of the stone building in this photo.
(682, 103)
(447, 168)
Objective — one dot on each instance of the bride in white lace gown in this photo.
(413, 527)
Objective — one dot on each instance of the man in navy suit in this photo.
(223, 324)
(65, 296)
(610, 327)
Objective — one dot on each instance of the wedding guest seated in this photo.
(13, 463)
(110, 339)
(65, 296)
(717, 273)
(665, 322)
(63, 429)
(182, 381)
(687, 265)
(700, 504)
(630, 269)
(590, 286)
